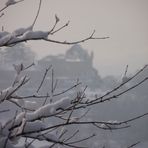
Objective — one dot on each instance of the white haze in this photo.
(124, 21)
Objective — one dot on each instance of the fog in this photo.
(124, 21)
(71, 66)
(99, 64)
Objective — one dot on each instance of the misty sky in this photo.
(124, 21)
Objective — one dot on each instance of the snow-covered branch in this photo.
(35, 111)
(29, 123)
(26, 34)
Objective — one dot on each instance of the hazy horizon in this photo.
(62, 99)
(124, 21)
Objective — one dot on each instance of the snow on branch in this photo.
(44, 111)
(29, 122)
(109, 95)
(16, 37)
(27, 34)
(9, 92)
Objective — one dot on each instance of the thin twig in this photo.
(37, 14)
(45, 74)
(73, 135)
(3, 111)
(55, 24)
(74, 86)
(52, 82)
(45, 100)
(11, 42)
(53, 32)
(5, 7)
(29, 66)
(133, 144)
(119, 86)
(125, 70)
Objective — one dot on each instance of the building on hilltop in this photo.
(75, 64)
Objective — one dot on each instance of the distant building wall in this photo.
(75, 64)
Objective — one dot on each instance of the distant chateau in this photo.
(75, 64)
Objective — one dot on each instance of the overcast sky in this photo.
(124, 21)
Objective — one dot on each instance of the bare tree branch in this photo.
(133, 144)
(3, 111)
(37, 14)
(15, 2)
(45, 74)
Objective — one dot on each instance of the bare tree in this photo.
(29, 121)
